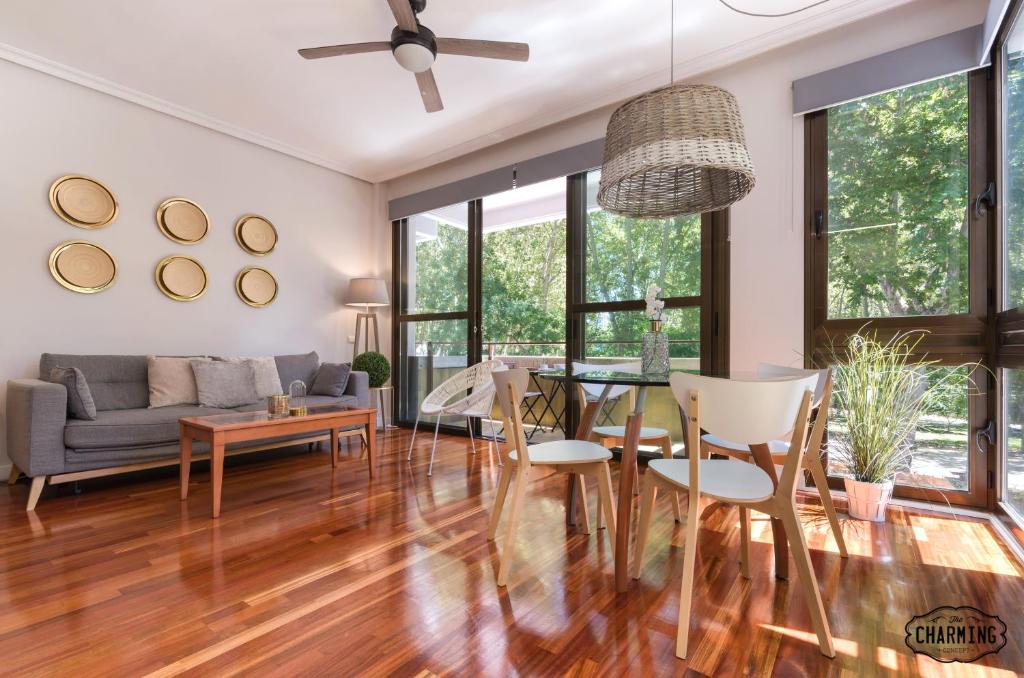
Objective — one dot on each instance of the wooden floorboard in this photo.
(315, 572)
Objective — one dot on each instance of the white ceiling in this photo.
(232, 64)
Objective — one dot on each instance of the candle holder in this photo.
(297, 398)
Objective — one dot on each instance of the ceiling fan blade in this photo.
(488, 49)
(404, 16)
(428, 90)
(341, 50)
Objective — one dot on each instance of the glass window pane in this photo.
(524, 274)
(430, 352)
(898, 203)
(939, 446)
(615, 337)
(626, 255)
(1013, 163)
(435, 259)
(1013, 402)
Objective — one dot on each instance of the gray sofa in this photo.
(43, 441)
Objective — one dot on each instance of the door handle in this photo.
(988, 432)
(819, 221)
(988, 196)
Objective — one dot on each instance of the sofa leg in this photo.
(15, 473)
(35, 491)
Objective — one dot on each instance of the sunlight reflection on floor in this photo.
(843, 646)
(945, 554)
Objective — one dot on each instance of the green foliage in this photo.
(1013, 187)
(898, 202)
(375, 365)
(524, 283)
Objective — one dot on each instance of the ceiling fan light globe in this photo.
(413, 57)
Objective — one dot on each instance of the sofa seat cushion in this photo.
(131, 428)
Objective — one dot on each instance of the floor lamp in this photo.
(368, 293)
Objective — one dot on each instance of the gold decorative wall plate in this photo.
(255, 234)
(182, 220)
(181, 278)
(83, 201)
(82, 266)
(256, 286)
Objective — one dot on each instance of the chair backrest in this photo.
(747, 412)
(510, 385)
(593, 391)
(771, 371)
(465, 380)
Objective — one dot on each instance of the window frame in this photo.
(953, 338)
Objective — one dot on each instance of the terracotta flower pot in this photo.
(868, 500)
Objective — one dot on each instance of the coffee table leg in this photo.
(217, 470)
(371, 444)
(186, 460)
(334, 448)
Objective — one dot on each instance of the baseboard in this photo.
(5, 469)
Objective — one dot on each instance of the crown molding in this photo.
(64, 72)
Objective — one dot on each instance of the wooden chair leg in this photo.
(821, 482)
(607, 499)
(582, 510)
(508, 553)
(499, 501)
(689, 563)
(744, 542)
(14, 475)
(666, 452)
(34, 492)
(643, 527)
(809, 583)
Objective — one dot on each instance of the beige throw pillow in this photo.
(172, 381)
(268, 382)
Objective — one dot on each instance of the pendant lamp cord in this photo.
(772, 16)
(672, 43)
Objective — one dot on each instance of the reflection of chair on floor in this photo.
(779, 449)
(448, 400)
(613, 436)
(580, 457)
(748, 412)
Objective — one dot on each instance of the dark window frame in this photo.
(952, 339)
(713, 300)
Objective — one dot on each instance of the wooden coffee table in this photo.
(223, 429)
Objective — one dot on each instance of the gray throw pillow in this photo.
(80, 402)
(222, 384)
(331, 379)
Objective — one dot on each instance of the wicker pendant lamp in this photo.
(676, 150)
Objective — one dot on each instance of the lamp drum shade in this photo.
(367, 292)
(675, 150)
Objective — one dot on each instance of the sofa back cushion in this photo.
(302, 367)
(117, 382)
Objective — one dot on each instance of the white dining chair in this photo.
(750, 412)
(779, 449)
(450, 400)
(581, 457)
(612, 436)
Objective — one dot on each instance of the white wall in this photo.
(767, 226)
(50, 127)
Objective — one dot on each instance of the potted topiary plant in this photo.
(375, 365)
(881, 392)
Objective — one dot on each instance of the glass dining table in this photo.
(628, 465)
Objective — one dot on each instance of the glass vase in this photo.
(654, 355)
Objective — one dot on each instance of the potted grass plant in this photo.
(882, 390)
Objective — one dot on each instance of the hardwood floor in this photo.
(309, 571)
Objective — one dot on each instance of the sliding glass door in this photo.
(539, 276)
(432, 333)
(897, 241)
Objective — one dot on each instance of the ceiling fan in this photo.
(415, 47)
